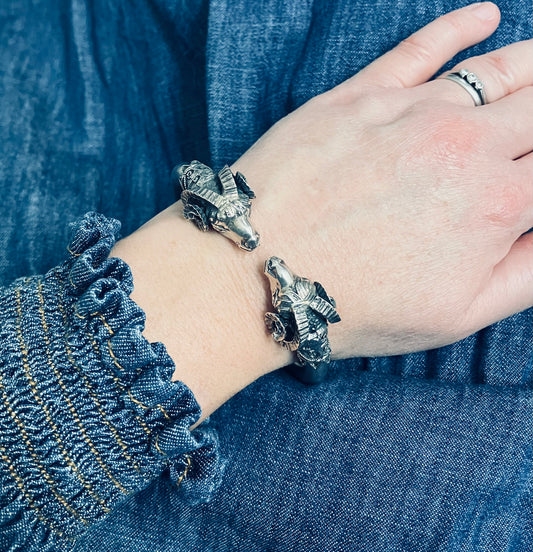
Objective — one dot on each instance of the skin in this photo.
(412, 207)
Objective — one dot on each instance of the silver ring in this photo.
(470, 82)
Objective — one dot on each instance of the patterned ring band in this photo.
(470, 82)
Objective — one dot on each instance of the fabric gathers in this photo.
(88, 411)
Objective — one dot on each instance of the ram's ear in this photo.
(242, 185)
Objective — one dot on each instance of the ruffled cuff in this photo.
(88, 411)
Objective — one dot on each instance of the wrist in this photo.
(205, 300)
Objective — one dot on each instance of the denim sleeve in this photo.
(88, 411)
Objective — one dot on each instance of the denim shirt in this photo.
(428, 452)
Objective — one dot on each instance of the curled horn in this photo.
(196, 214)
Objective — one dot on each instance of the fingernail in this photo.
(484, 10)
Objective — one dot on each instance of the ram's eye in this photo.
(219, 227)
(228, 212)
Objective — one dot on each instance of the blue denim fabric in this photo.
(89, 118)
(424, 452)
(88, 411)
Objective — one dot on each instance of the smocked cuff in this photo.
(88, 411)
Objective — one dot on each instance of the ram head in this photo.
(222, 202)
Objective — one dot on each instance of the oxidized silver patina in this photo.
(222, 202)
(303, 311)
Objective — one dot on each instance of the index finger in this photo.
(419, 57)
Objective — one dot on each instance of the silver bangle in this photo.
(223, 202)
(219, 201)
(301, 322)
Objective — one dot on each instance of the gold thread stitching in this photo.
(115, 378)
(46, 476)
(165, 413)
(79, 315)
(42, 404)
(72, 252)
(94, 397)
(101, 411)
(118, 383)
(136, 401)
(104, 321)
(115, 360)
(184, 474)
(143, 425)
(111, 332)
(82, 429)
(20, 484)
(156, 444)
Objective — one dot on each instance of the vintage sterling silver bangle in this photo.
(471, 83)
(221, 202)
(301, 322)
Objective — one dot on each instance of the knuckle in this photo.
(423, 48)
(415, 49)
(373, 106)
(502, 72)
(503, 206)
(444, 134)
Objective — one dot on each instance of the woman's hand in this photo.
(403, 199)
